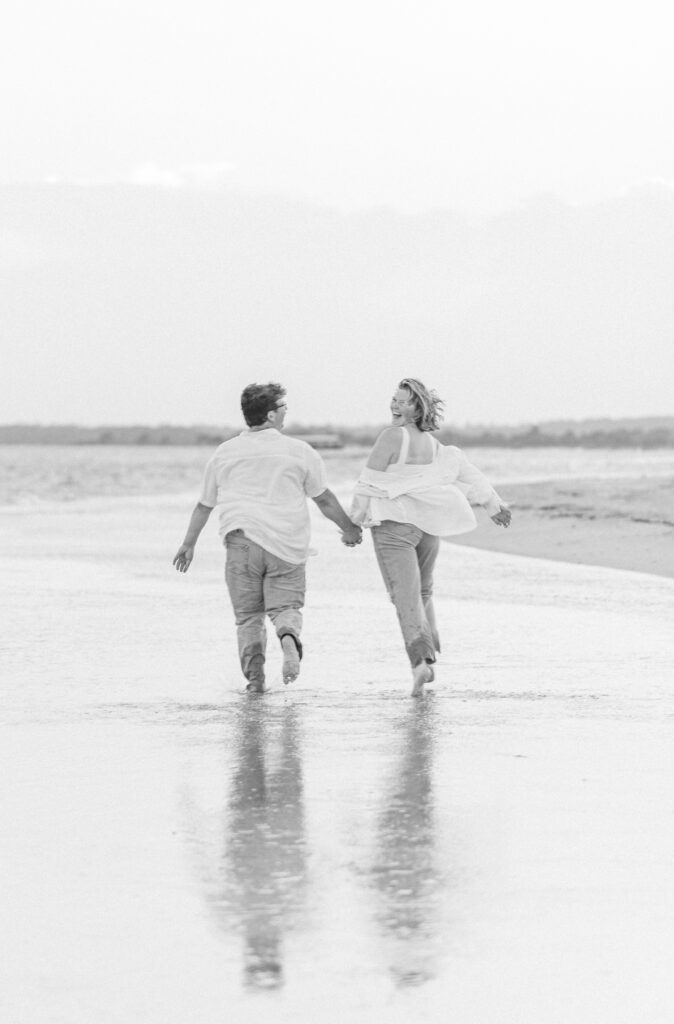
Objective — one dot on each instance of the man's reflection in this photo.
(264, 859)
(405, 874)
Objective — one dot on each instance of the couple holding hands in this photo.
(412, 492)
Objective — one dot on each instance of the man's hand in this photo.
(502, 517)
(352, 536)
(198, 520)
(183, 558)
(332, 510)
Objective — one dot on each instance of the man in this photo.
(261, 480)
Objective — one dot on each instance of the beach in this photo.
(174, 850)
(623, 523)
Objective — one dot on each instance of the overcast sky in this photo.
(415, 106)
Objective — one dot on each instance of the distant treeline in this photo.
(133, 435)
(538, 437)
(655, 432)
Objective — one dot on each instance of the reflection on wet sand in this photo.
(405, 875)
(262, 873)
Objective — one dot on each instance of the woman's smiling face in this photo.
(402, 408)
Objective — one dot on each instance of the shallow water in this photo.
(34, 474)
(499, 851)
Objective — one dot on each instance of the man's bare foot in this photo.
(291, 659)
(421, 674)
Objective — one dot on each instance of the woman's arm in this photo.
(503, 516)
(386, 449)
(481, 491)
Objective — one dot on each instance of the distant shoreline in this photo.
(646, 433)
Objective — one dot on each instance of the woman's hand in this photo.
(502, 517)
(352, 536)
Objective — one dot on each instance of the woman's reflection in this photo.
(264, 858)
(406, 875)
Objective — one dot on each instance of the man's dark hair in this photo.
(259, 399)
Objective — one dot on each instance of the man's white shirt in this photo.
(260, 481)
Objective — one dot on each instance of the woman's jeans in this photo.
(260, 584)
(406, 557)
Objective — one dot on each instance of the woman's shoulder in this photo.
(391, 438)
(386, 448)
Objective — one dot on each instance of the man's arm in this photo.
(332, 510)
(198, 520)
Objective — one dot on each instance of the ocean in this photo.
(34, 474)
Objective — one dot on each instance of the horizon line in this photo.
(135, 424)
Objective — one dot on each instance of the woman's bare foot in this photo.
(421, 674)
(291, 659)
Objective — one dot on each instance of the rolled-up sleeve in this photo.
(209, 486)
(316, 478)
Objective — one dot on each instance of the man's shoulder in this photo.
(298, 443)
(296, 446)
(229, 445)
(250, 443)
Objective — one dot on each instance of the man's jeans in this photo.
(261, 584)
(406, 557)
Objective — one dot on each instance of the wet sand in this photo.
(499, 851)
(620, 524)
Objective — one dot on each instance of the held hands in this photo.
(502, 517)
(352, 536)
(183, 558)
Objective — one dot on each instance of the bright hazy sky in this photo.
(415, 105)
(357, 103)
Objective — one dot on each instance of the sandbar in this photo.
(616, 523)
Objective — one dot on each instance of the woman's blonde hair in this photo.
(428, 405)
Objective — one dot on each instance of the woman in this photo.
(412, 492)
